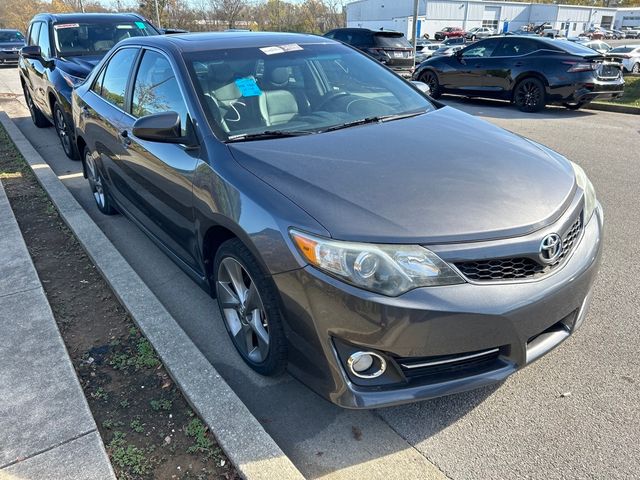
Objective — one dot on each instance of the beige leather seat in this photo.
(277, 105)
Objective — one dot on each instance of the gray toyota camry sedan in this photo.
(283, 174)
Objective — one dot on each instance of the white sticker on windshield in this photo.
(291, 47)
(66, 25)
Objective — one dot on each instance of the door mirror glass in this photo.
(32, 51)
(423, 87)
(160, 127)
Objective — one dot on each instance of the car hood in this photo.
(79, 66)
(439, 177)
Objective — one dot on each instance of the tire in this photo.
(529, 95)
(39, 120)
(64, 131)
(635, 68)
(574, 106)
(97, 184)
(431, 79)
(253, 320)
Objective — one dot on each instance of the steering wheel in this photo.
(330, 98)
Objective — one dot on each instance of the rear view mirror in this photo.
(32, 51)
(160, 127)
(423, 87)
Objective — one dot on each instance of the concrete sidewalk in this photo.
(46, 428)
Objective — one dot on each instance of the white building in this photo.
(434, 15)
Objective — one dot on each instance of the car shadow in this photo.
(505, 110)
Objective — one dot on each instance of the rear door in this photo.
(104, 118)
(509, 58)
(159, 176)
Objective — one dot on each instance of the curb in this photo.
(253, 452)
(611, 107)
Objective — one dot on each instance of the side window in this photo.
(515, 47)
(329, 35)
(481, 49)
(97, 83)
(114, 81)
(156, 89)
(43, 41)
(33, 33)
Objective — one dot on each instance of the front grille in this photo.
(517, 268)
(449, 366)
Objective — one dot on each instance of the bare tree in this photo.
(229, 11)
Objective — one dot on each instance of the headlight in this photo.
(71, 80)
(589, 192)
(386, 269)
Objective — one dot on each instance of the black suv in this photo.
(390, 48)
(61, 51)
(11, 41)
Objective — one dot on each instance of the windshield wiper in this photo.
(376, 119)
(243, 137)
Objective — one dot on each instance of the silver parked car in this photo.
(628, 56)
(477, 33)
(447, 50)
(597, 45)
(426, 52)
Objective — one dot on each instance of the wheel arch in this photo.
(524, 76)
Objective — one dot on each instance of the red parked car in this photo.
(449, 32)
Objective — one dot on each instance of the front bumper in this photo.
(522, 320)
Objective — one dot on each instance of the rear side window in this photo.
(116, 74)
(513, 47)
(156, 89)
(391, 41)
(34, 32)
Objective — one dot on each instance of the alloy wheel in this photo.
(528, 94)
(95, 180)
(243, 310)
(63, 131)
(636, 68)
(431, 80)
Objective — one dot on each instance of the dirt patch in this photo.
(145, 423)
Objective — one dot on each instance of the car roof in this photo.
(87, 17)
(198, 42)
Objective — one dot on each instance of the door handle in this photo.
(124, 135)
(518, 64)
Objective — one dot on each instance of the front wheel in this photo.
(250, 309)
(635, 68)
(431, 79)
(529, 95)
(65, 131)
(97, 184)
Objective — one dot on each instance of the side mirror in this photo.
(160, 127)
(32, 51)
(423, 87)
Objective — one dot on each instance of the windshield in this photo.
(621, 50)
(11, 37)
(297, 88)
(73, 39)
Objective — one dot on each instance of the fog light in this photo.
(366, 364)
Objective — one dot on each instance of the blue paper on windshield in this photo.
(140, 25)
(248, 87)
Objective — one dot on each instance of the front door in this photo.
(474, 62)
(159, 176)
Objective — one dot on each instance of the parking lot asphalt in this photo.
(573, 414)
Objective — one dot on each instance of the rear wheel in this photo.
(65, 131)
(248, 303)
(431, 79)
(39, 120)
(529, 95)
(97, 184)
(635, 68)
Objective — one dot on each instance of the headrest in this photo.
(280, 75)
(220, 73)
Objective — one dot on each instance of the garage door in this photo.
(490, 17)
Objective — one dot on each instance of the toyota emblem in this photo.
(550, 248)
